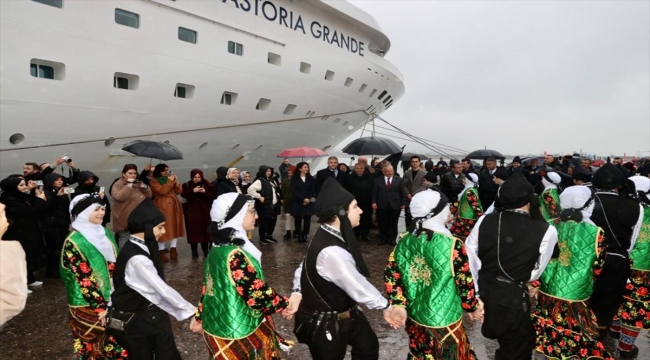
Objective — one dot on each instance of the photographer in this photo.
(73, 171)
(127, 192)
(56, 221)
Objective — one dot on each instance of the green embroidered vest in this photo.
(427, 273)
(225, 314)
(465, 209)
(640, 254)
(95, 261)
(546, 212)
(570, 276)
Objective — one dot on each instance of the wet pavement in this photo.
(41, 330)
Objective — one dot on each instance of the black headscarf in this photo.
(608, 177)
(334, 200)
(10, 185)
(144, 218)
(221, 172)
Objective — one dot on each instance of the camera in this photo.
(65, 158)
(68, 190)
(171, 173)
(39, 183)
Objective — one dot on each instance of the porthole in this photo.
(16, 138)
(109, 141)
(234, 147)
(203, 144)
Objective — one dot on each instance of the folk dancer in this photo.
(549, 198)
(86, 266)
(469, 208)
(428, 275)
(634, 313)
(565, 325)
(507, 250)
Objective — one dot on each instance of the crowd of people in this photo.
(551, 258)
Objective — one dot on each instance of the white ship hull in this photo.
(81, 113)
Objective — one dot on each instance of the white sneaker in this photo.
(36, 283)
(29, 291)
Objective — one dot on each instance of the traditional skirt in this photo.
(90, 339)
(260, 345)
(566, 330)
(635, 310)
(447, 343)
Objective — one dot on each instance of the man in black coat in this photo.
(452, 182)
(487, 189)
(87, 185)
(468, 167)
(389, 199)
(332, 170)
(360, 184)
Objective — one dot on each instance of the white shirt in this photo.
(141, 276)
(545, 252)
(386, 179)
(337, 265)
(256, 187)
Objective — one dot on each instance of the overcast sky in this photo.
(522, 76)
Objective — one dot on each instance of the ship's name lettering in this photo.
(288, 19)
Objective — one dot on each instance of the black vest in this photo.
(334, 296)
(265, 209)
(618, 220)
(521, 237)
(124, 298)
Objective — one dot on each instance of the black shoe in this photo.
(382, 242)
(630, 354)
(195, 254)
(264, 241)
(271, 239)
(287, 236)
(302, 238)
(365, 238)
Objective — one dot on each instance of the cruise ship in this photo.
(225, 81)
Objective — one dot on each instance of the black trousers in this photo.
(159, 344)
(204, 246)
(265, 225)
(360, 336)
(408, 218)
(388, 219)
(302, 224)
(609, 289)
(274, 221)
(364, 225)
(54, 238)
(512, 328)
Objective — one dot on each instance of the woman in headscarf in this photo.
(56, 221)
(221, 176)
(230, 183)
(428, 275)
(165, 188)
(265, 199)
(244, 181)
(565, 326)
(87, 264)
(634, 313)
(549, 198)
(199, 195)
(469, 208)
(24, 210)
(243, 329)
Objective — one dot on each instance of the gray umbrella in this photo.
(485, 154)
(372, 146)
(407, 157)
(153, 150)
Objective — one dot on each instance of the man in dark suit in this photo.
(413, 180)
(487, 189)
(330, 171)
(360, 184)
(389, 199)
(452, 182)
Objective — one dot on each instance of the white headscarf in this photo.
(94, 233)
(471, 182)
(641, 183)
(218, 213)
(422, 204)
(555, 178)
(575, 197)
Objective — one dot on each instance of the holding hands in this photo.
(294, 303)
(196, 326)
(479, 314)
(395, 316)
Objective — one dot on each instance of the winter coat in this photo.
(226, 186)
(287, 196)
(197, 210)
(301, 190)
(125, 200)
(266, 209)
(164, 196)
(57, 213)
(361, 188)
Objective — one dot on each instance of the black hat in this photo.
(144, 214)
(431, 177)
(581, 174)
(332, 200)
(501, 173)
(517, 159)
(608, 177)
(515, 192)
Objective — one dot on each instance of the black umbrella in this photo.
(485, 154)
(407, 157)
(372, 146)
(153, 150)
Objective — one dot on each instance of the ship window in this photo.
(47, 69)
(387, 99)
(329, 75)
(274, 59)
(305, 68)
(383, 93)
(125, 81)
(290, 109)
(127, 18)
(263, 104)
(372, 93)
(184, 91)
(235, 48)
(363, 88)
(228, 98)
(187, 35)
(55, 3)
(16, 138)
(348, 82)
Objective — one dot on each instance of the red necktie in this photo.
(388, 183)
